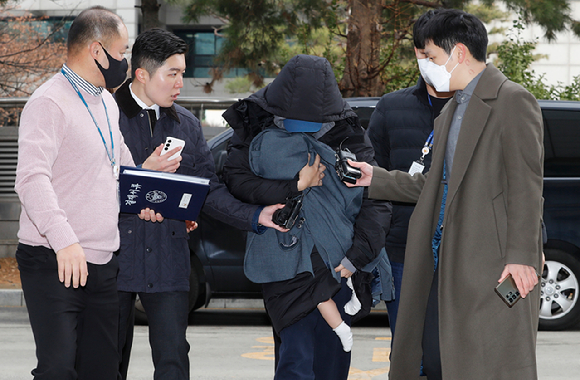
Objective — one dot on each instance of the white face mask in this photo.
(437, 75)
(423, 63)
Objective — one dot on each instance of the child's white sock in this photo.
(345, 335)
(353, 306)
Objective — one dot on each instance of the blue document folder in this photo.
(175, 196)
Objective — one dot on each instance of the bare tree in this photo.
(29, 53)
(361, 75)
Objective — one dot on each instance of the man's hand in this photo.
(190, 225)
(366, 171)
(150, 216)
(72, 264)
(343, 271)
(265, 218)
(161, 163)
(524, 275)
(311, 175)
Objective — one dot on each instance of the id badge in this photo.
(416, 167)
(115, 171)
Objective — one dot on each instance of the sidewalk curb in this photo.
(11, 297)
(15, 297)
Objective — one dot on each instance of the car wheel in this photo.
(559, 306)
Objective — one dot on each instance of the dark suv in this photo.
(218, 249)
(559, 307)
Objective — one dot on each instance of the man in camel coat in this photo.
(477, 219)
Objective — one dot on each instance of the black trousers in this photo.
(75, 330)
(167, 314)
(431, 349)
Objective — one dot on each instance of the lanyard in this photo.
(419, 165)
(427, 147)
(429, 143)
(110, 155)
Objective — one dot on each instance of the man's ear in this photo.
(417, 54)
(141, 75)
(95, 50)
(462, 52)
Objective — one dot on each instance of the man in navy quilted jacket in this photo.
(154, 258)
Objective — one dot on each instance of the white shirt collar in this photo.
(141, 104)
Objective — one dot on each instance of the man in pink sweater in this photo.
(70, 149)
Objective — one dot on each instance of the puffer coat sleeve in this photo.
(373, 220)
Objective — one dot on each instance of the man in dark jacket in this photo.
(305, 94)
(400, 128)
(154, 259)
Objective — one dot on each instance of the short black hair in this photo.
(448, 27)
(152, 48)
(419, 26)
(93, 24)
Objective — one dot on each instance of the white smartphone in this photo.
(172, 143)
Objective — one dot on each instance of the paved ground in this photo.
(232, 340)
(236, 344)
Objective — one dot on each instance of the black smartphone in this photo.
(345, 172)
(508, 291)
(286, 216)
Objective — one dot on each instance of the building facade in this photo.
(560, 62)
(203, 42)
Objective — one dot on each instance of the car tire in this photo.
(559, 304)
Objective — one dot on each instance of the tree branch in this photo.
(42, 42)
(216, 31)
(425, 3)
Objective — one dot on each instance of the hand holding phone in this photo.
(346, 172)
(170, 144)
(508, 291)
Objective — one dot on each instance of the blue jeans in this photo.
(309, 349)
(393, 306)
(167, 314)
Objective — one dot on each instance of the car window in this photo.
(364, 115)
(561, 143)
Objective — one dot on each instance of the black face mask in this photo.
(116, 73)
